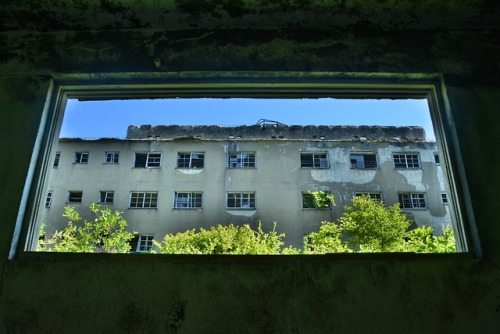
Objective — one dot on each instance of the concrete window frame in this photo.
(413, 200)
(406, 160)
(106, 86)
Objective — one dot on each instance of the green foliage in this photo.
(228, 239)
(318, 200)
(106, 233)
(373, 227)
(422, 240)
(368, 227)
(327, 240)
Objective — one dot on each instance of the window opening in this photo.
(406, 160)
(106, 197)
(316, 200)
(147, 160)
(188, 200)
(240, 201)
(241, 159)
(143, 200)
(363, 160)
(81, 157)
(142, 243)
(112, 157)
(56, 159)
(75, 196)
(372, 195)
(190, 160)
(48, 199)
(314, 160)
(412, 201)
(444, 198)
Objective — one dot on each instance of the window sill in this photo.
(142, 208)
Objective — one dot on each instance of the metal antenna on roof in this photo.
(265, 122)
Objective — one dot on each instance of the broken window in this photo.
(81, 157)
(316, 200)
(373, 195)
(143, 200)
(106, 197)
(412, 200)
(147, 160)
(188, 200)
(240, 159)
(314, 160)
(190, 160)
(363, 160)
(75, 196)
(240, 200)
(111, 157)
(406, 160)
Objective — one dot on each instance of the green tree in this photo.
(422, 240)
(223, 239)
(373, 227)
(105, 233)
(327, 240)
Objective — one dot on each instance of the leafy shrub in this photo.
(106, 233)
(223, 239)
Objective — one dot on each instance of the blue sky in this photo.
(110, 118)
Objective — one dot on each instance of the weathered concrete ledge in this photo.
(293, 132)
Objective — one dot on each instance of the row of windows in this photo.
(234, 200)
(247, 160)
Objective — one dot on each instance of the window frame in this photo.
(72, 195)
(115, 157)
(313, 154)
(413, 197)
(80, 156)
(191, 158)
(363, 154)
(406, 154)
(236, 84)
(106, 192)
(153, 198)
(241, 194)
(48, 199)
(240, 161)
(155, 161)
(189, 201)
(57, 160)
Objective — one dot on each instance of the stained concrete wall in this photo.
(80, 294)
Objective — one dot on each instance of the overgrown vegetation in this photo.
(227, 239)
(365, 226)
(106, 233)
(317, 199)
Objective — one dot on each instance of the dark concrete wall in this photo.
(54, 293)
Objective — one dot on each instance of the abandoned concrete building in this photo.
(168, 179)
(117, 49)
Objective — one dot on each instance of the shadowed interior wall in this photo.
(45, 293)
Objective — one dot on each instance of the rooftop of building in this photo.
(276, 131)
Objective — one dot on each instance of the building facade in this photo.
(168, 179)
